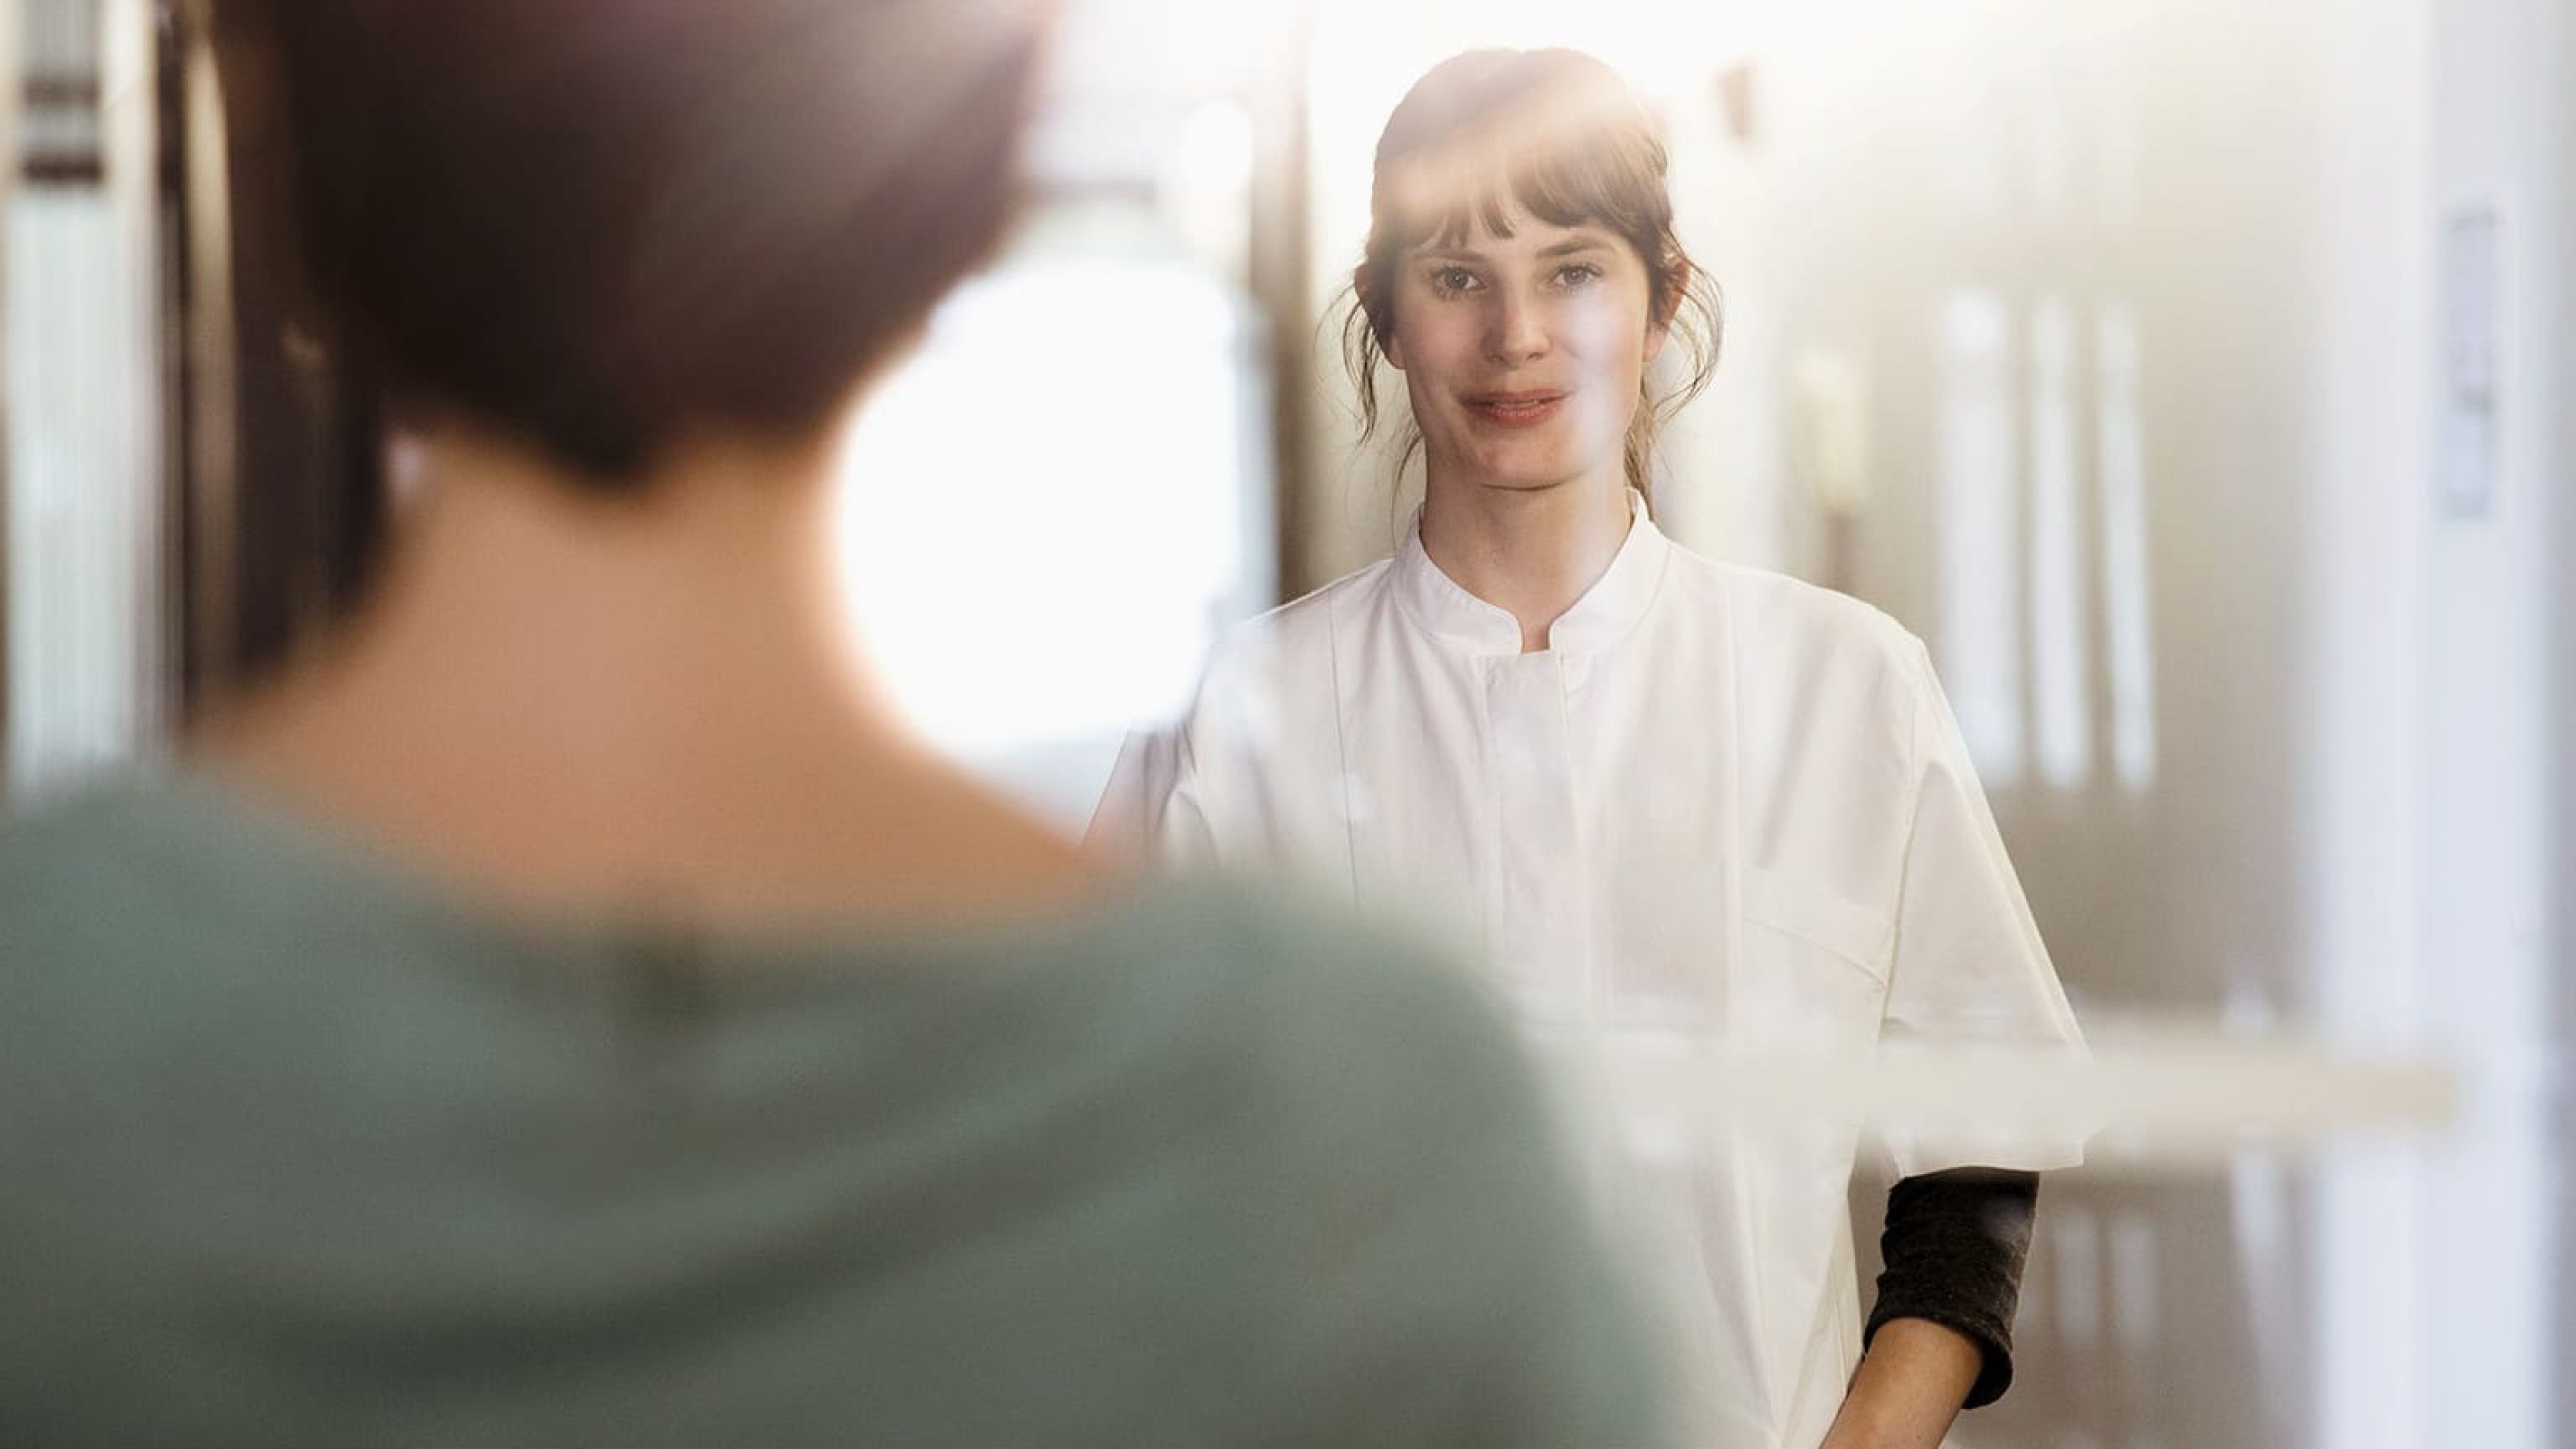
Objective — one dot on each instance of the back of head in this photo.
(602, 225)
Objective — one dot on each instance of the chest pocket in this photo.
(1815, 966)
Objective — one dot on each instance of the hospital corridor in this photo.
(2049, 671)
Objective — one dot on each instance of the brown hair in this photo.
(1561, 134)
(604, 225)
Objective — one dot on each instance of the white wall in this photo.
(9, 98)
(2489, 746)
(84, 571)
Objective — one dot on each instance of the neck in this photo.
(713, 581)
(598, 699)
(1531, 552)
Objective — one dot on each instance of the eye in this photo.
(1450, 281)
(1577, 274)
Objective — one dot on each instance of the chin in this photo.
(1533, 475)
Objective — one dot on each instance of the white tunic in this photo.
(1722, 802)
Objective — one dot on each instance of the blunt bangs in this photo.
(1587, 181)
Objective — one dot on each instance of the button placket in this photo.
(1536, 922)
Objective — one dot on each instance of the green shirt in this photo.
(295, 1151)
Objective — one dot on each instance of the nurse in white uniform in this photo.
(1666, 797)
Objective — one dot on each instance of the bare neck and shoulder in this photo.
(562, 701)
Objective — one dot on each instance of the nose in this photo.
(1516, 332)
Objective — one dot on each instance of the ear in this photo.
(1384, 336)
(1659, 328)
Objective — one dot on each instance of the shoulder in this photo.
(1283, 658)
(79, 823)
(1790, 636)
(86, 859)
(1773, 605)
(1306, 622)
(102, 896)
(1366, 1055)
(1353, 1031)
(166, 895)
(1325, 986)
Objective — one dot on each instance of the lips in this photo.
(1516, 409)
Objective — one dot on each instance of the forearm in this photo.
(1940, 1337)
(1911, 1385)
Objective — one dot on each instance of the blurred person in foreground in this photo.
(571, 1010)
(1671, 801)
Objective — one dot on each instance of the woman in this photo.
(1664, 795)
(572, 1011)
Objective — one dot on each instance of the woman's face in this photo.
(1524, 353)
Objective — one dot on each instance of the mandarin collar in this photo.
(1609, 609)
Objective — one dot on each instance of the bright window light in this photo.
(2128, 596)
(1981, 633)
(1052, 506)
(2059, 636)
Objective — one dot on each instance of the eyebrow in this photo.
(1587, 239)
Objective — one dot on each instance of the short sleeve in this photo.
(1186, 796)
(1151, 811)
(1968, 966)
